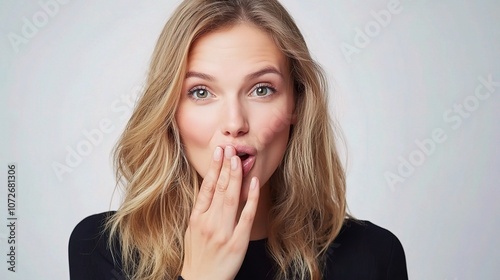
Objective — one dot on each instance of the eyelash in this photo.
(265, 85)
(191, 92)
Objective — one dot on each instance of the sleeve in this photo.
(363, 250)
(89, 254)
(397, 262)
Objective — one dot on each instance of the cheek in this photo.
(275, 126)
(196, 133)
(195, 128)
(273, 140)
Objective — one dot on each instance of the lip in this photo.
(249, 150)
(248, 163)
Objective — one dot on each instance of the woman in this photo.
(229, 163)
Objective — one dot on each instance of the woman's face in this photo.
(237, 91)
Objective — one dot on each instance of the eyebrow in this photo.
(266, 70)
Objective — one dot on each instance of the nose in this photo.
(235, 120)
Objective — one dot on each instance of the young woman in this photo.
(229, 163)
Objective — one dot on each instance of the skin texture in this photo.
(237, 92)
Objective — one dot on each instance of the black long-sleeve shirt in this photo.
(362, 250)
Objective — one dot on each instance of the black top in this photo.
(362, 250)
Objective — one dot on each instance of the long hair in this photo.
(308, 187)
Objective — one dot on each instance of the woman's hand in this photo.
(216, 240)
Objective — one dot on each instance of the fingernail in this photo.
(253, 183)
(229, 152)
(218, 154)
(234, 163)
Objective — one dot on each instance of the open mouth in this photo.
(247, 162)
(243, 156)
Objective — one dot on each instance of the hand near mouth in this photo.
(215, 242)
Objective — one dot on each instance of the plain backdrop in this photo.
(415, 86)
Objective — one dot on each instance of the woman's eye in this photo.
(263, 90)
(199, 93)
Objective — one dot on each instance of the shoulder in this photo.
(89, 253)
(366, 233)
(91, 226)
(363, 250)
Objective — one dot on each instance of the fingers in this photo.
(231, 198)
(227, 195)
(244, 226)
(219, 195)
(204, 198)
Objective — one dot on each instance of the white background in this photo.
(83, 62)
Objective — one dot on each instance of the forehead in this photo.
(239, 46)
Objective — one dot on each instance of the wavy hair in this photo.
(160, 186)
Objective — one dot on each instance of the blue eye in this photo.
(199, 93)
(263, 90)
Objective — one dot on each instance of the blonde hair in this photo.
(308, 188)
